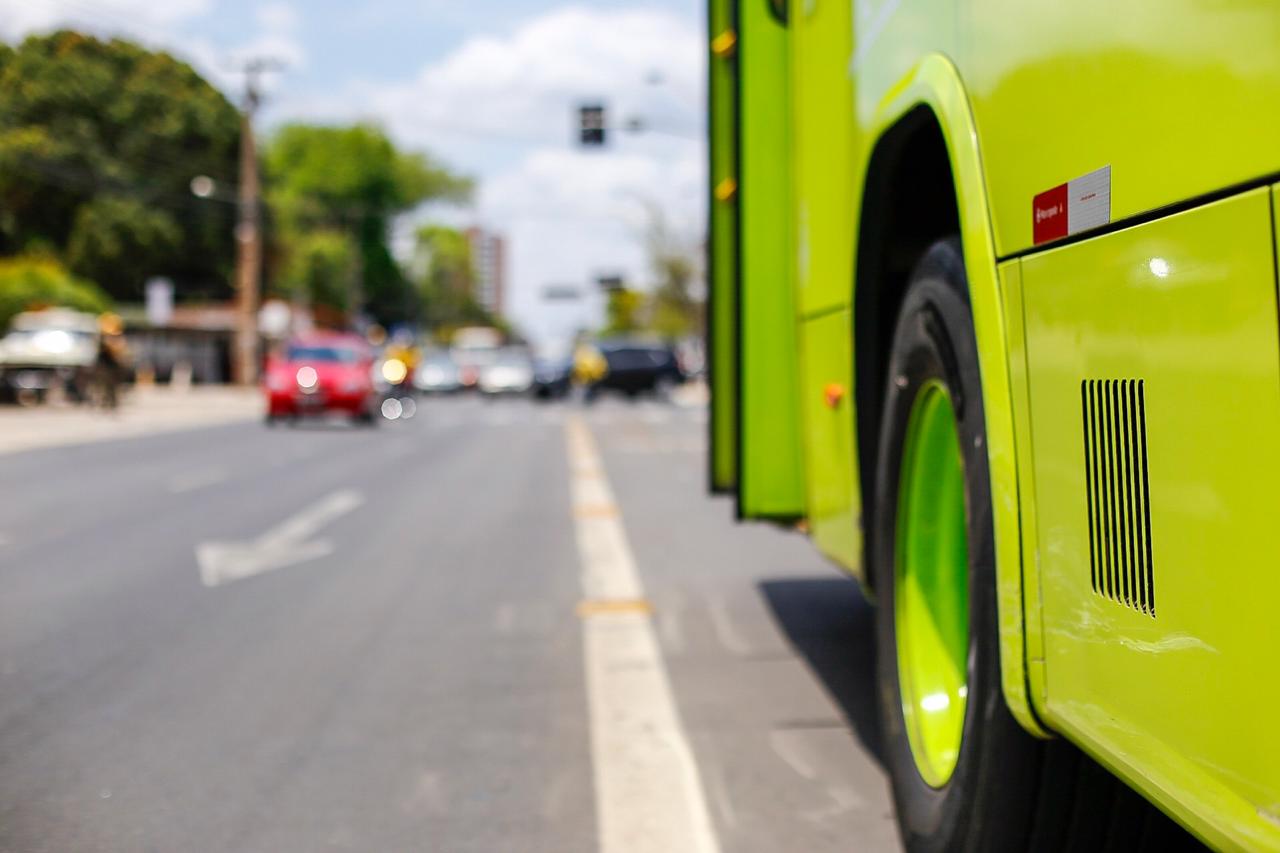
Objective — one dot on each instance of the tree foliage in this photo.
(668, 306)
(319, 267)
(352, 180)
(624, 312)
(674, 312)
(30, 282)
(446, 280)
(99, 141)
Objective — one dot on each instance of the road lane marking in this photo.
(600, 510)
(283, 545)
(720, 795)
(193, 480)
(614, 605)
(726, 631)
(785, 747)
(649, 796)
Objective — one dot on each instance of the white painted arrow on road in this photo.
(285, 544)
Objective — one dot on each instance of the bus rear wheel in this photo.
(964, 773)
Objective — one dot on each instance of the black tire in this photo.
(1009, 791)
(987, 803)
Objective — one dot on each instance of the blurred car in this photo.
(552, 378)
(437, 373)
(321, 374)
(475, 348)
(636, 367)
(510, 372)
(471, 362)
(53, 348)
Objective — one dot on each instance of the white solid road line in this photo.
(649, 797)
(283, 545)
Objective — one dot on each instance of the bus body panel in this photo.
(1154, 375)
(722, 254)
(831, 461)
(1178, 98)
(934, 84)
(824, 142)
(1032, 640)
(1088, 679)
(770, 473)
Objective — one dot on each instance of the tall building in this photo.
(488, 255)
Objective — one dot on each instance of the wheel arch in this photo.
(904, 206)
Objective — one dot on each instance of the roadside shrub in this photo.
(29, 282)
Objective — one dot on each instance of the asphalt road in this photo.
(242, 638)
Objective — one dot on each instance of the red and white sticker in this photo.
(1070, 208)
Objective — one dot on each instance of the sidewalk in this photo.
(143, 411)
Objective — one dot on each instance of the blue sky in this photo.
(487, 86)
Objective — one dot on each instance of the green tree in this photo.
(319, 268)
(673, 311)
(39, 282)
(99, 141)
(354, 180)
(624, 312)
(446, 280)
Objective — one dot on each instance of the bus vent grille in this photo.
(1118, 491)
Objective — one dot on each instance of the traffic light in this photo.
(591, 126)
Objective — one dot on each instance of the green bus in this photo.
(993, 313)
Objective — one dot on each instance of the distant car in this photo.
(53, 348)
(437, 373)
(471, 362)
(510, 372)
(322, 374)
(552, 377)
(636, 367)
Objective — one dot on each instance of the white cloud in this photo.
(502, 107)
(277, 47)
(524, 85)
(277, 17)
(22, 17)
(277, 39)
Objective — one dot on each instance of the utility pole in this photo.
(249, 232)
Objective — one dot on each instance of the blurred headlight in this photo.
(307, 378)
(394, 371)
(55, 341)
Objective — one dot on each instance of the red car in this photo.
(320, 374)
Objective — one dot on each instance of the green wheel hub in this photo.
(931, 590)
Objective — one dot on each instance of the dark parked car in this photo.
(636, 367)
(552, 378)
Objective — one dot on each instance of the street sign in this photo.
(561, 293)
(159, 301)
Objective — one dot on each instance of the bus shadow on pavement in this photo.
(832, 626)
